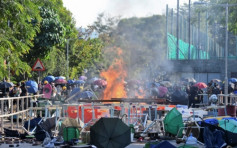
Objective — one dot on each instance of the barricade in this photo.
(22, 109)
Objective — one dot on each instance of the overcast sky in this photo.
(86, 11)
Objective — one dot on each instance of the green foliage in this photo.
(87, 53)
(16, 34)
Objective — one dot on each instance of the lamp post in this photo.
(67, 58)
(226, 38)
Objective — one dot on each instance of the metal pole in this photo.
(198, 50)
(177, 31)
(206, 35)
(167, 49)
(67, 59)
(226, 51)
(189, 30)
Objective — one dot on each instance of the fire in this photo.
(115, 76)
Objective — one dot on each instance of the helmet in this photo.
(213, 99)
(46, 82)
(64, 87)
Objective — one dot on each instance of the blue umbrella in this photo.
(86, 95)
(4, 85)
(70, 81)
(79, 82)
(60, 77)
(32, 86)
(49, 79)
(233, 80)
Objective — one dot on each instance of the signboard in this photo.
(38, 66)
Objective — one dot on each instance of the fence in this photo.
(86, 111)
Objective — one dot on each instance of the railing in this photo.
(23, 109)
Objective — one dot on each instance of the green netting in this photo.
(183, 50)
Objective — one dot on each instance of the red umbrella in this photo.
(60, 81)
(100, 82)
(162, 91)
(201, 85)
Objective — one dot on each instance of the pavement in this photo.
(133, 145)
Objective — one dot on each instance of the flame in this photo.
(115, 76)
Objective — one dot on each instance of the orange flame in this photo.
(115, 76)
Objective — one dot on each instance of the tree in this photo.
(16, 34)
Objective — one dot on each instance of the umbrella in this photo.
(92, 80)
(100, 83)
(49, 79)
(32, 86)
(229, 125)
(73, 96)
(166, 83)
(233, 80)
(60, 81)
(79, 82)
(173, 122)
(110, 133)
(4, 85)
(162, 91)
(84, 78)
(189, 80)
(201, 85)
(85, 95)
(215, 80)
(70, 81)
(60, 77)
(179, 97)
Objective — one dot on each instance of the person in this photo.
(193, 96)
(64, 92)
(216, 89)
(209, 89)
(54, 91)
(154, 91)
(24, 92)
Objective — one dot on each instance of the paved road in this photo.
(26, 145)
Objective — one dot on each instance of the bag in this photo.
(70, 133)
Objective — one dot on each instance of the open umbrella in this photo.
(173, 122)
(60, 77)
(229, 125)
(60, 81)
(100, 82)
(162, 91)
(179, 97)
(32, 86)
(83, 78)
(79, 82)
(70, 81)
(215, 80)
(201, 85)
(189, 80)
(233, 80)
(85, 95)
(49, 79)
(166, 83)
(5, 85)
(110, 133)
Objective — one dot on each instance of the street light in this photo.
(226, 37)
(67, 58)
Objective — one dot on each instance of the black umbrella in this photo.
(5, 85)
(179, 97)
(110, 133)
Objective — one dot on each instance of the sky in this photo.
(86, 11)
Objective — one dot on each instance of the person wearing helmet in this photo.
(64, 92)
(46, 82)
